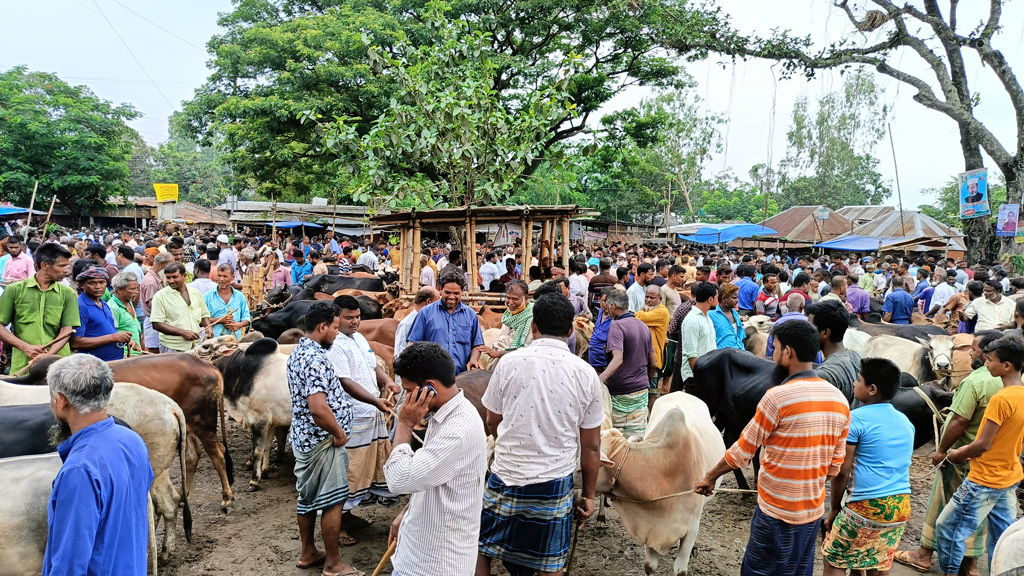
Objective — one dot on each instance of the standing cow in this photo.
(927, 359)
(651, 481)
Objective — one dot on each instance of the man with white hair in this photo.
(97, 521)
(227, 255)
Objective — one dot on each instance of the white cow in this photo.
(161, 424)
(1008, 556)
(926, 360)
(651, 481)
(855, 339)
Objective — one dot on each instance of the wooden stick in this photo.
(386, 557)
(36, 359)
(31, 204)
(49, 213)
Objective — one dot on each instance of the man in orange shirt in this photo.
(987, 494)
(802, 425)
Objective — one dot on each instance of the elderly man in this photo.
(20, 265)
(451, 324)
(445, 477)
(515, 322)
(729, 331)
(40, 310)
(97, 521)
(795, 304)
(655, 316)
(631, 365)
(98, 333)
(637, 292)
(227, 306)
(152, 283)
(125, 258)
(126, 291)
(227, 254)
(180, 314)
(539, 431)
(992, 310)
(943, 292)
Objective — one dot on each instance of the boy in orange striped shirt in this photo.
(802, 425)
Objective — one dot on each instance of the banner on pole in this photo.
(1006, 223)
(974, 194)
(166, 192)
(502, 238)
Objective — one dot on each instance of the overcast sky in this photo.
(166, 40)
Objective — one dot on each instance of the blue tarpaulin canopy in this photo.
(11, 210)
(860, 243)
(721, 233)
(295, 224)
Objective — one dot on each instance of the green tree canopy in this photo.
(76, 145)
(199, 171)
(279, 58)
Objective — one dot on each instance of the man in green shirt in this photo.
(126, 290)
(179, 313)
(40, 309)
(960, 429)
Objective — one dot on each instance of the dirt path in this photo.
(260, 537)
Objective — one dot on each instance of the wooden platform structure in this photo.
(553, 220)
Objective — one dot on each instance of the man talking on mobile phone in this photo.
(437, 533)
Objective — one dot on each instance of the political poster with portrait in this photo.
(1006, 222)
(974, 194)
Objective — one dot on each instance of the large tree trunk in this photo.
(978, 232)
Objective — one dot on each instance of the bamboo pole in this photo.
(565, 243)
(48, 214)
(471, 249)
(405, 272)
(527, 249)
(414, 275)
(31, 204)
(545, 236)
(523, 231)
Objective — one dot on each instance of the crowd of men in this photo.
(656, 309)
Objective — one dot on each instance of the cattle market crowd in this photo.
(502, 428)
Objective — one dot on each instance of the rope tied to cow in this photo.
(625, 449)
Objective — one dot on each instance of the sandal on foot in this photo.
(319, 560)
(347, 541)
(904, 557)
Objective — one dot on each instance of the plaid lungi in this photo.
(629, 412)
(321, 477)
(946, 481)
(369, 447)
(529, 526)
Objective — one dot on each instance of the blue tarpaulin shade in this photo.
(860, 243)
(721, 233)
(12, 210)
(295, 224)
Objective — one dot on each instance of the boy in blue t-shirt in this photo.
(864, 534)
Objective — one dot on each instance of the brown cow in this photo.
(386, 354)
(197, 386)
(489, 317)
(381, 331)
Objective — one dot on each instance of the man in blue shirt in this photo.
(748, 289)
(898, 304)
(97, 521)
(451, 324)
(729, 331)
(227, 305)
(300, 268)
(98, 333)
(595, 352)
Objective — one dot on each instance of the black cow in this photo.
(909, 331)
(274, 324)
(369, 308)
(732, 382)
(36, 374)
(331, 284)
(26, 430)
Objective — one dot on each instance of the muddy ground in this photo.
(259, 537)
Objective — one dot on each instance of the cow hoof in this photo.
(253, 486)
(226, 507)
(163, 557)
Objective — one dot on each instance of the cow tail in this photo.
(224, 437)
(186, 516)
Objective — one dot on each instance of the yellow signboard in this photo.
(166, 192)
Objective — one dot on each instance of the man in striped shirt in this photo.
(802, 425)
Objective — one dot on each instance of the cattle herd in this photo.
(177, 403)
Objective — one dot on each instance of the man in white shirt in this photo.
(992, 310)
(441, 525)
(490, 272)
(539, 429)
(943, 292)
(369, 259)
(202, 281)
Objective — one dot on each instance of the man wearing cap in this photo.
(98, 334)
(227, 255)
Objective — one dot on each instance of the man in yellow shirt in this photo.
(179, 313)
(655, 315)
(987, 494)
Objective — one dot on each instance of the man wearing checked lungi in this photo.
(543, 404)
(321, 423)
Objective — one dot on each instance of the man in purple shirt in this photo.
(631, 365)
(857, 298)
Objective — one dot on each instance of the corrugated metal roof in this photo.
(799, 224)
(914, 225)
(862, 214)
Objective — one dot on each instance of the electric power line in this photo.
(137, 61)
(144, 38)
(159, 26)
